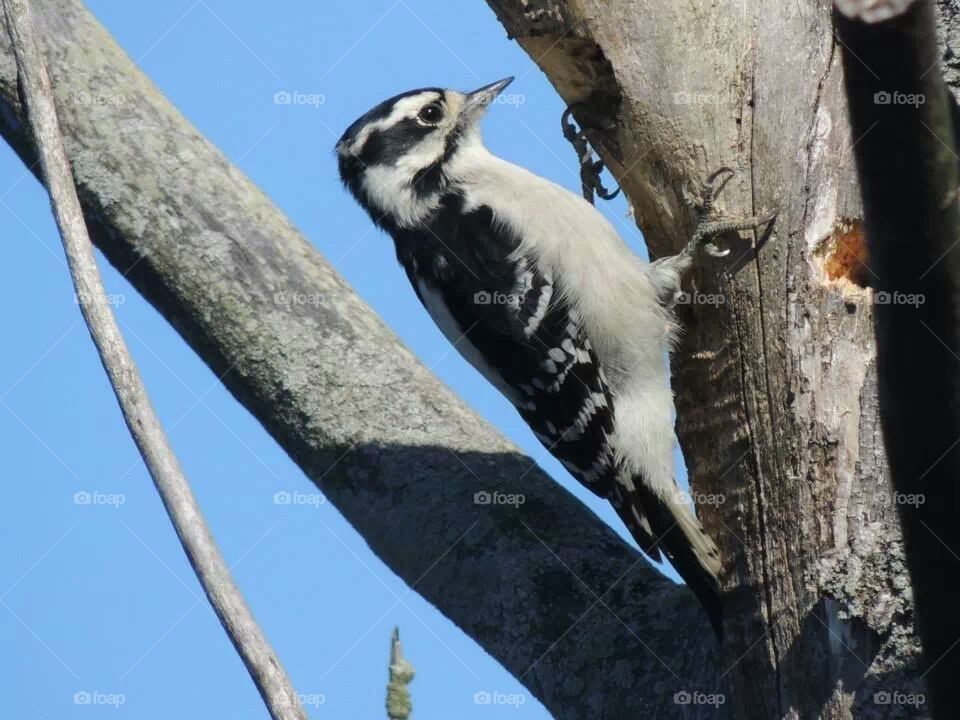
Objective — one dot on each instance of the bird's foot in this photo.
(708, 228)
(590, 169)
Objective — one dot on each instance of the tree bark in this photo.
(392, 448)
(776, 379)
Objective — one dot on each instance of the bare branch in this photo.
(263, 665)
(399, 705)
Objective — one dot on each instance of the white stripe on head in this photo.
(407, 107)
(388, 185)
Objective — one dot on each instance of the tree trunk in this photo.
(776, 378)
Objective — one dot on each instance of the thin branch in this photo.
(399, 704)
(264, 667)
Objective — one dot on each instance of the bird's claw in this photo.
(590, 169)
(715, 184)
(712, 250)
(707, 228)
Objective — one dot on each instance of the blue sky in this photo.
(100, 614)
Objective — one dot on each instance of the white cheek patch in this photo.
(390, 187)
(390, 193)
(424, 154)
(407, 107)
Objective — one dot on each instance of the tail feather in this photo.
(667, 525)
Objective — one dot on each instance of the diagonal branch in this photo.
(204, 555)
(392, 448)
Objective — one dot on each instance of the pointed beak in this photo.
(478, 100)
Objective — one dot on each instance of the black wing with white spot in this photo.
(564, 395)
(512, 322)
(505, 314)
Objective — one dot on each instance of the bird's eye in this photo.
(431, 114)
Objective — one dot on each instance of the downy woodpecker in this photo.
(538, 292)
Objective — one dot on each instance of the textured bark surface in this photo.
(593, 632)
(776, 380)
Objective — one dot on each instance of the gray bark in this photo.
(777, 386)
(392, 448)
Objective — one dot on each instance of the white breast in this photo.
(606, 284)
(602, 278)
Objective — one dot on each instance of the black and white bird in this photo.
(538, 292)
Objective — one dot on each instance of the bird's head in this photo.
(392, 158)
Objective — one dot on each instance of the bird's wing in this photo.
(514, 324)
